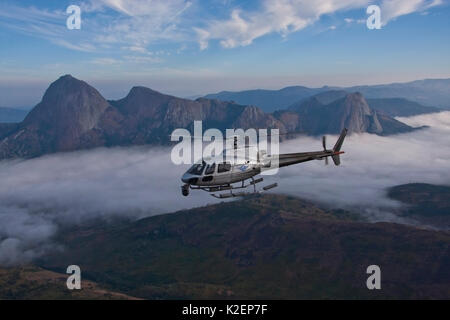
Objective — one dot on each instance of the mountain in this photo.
(351, 111)
(392, 107)
(267, 100)
(7, 128)
(425, 202)
(145, 116)
(399, 107)
(68, 110)
(261, 247)
(34, 283)
(73, 115)
(429, 92)
(9, 115)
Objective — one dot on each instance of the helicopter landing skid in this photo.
(253, 183)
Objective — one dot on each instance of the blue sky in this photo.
(190, 47)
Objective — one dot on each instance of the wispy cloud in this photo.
(138, 24)
(129, 25)
(391, 9)
(288, 16)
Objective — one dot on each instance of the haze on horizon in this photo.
(188, 48)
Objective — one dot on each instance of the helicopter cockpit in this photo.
(204, 171)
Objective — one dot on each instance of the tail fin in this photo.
(337, 147)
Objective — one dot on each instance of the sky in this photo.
(193, 47)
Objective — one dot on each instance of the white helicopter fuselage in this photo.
(222, 174)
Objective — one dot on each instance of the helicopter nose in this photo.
(188, 178)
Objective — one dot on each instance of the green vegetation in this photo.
(262, 247)
(31, 282)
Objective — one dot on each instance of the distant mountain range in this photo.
(73, 115)
(430, 92)
(8, 115)
(261, 247)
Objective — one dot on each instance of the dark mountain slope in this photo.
(427, 203)
(33, 283)
(271, 247)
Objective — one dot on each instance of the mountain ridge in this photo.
(428, 92)
(73, 115)
(260, 247)
(351, 111)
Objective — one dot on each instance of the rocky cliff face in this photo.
(69, 109)
(351, 111)
(354, 113)
(73, 115)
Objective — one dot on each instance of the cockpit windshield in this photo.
(197, 169)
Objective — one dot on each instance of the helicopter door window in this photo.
(224, 167)
(197, 169)
(210, 169)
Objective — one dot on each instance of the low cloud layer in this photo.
(39, 196)
(372, 164)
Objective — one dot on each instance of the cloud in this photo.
(370, 165)
(391, 9)
(130, 25)
(288, 16)
(40, 197)
(140, 23)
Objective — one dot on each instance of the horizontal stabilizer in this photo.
(336, 159)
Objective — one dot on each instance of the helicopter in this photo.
(223, 176)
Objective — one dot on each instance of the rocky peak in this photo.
(68, 103)
(69, 108)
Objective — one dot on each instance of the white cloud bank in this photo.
(371, 164)
(39, 196)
